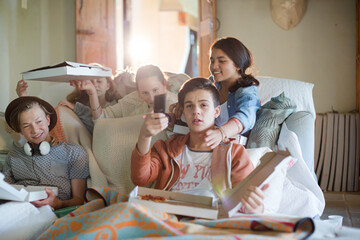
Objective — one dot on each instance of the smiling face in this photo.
(34, 125)
(222, 67)
(149, 87)
(101, 85)
(199, 110)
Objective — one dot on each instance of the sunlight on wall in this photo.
(157, 37)
(140, 50)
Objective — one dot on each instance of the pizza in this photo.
(149, 197)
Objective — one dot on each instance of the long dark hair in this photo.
(242, 58)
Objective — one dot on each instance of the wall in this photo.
(40, 35)
(319, 50)
(156, 33)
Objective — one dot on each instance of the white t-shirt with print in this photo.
(195, 173)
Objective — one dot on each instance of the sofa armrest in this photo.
(302, 124)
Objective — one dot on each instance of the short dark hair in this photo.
(198, 83)
(147, 71)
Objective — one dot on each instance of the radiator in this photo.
(337, 151)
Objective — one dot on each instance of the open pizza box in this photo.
(66, 71)
(22, 193)
(271, 164)
(176, 203)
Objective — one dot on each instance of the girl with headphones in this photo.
(43, 161)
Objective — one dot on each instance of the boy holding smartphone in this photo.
(185, 163)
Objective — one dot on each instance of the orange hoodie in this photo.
(230, 164)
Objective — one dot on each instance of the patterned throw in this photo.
(108, 215)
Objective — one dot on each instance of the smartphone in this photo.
(160, 103)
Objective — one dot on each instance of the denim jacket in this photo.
(243, 105)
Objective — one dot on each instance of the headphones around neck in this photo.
(43, 148)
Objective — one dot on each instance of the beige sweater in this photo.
(132, 105)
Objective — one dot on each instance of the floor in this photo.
(346, 204)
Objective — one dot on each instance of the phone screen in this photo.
(160, 103)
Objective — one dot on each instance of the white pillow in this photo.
(302, 195)
(256, 153)
(22, 220)
(175, 81)
(300, 92)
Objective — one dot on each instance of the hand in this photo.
(51, 200)
(84, 85)
(176, 109)
(67, 104)
(21, 88)
(172, 121)
(154, 123)
(213, 138)
(253, 199)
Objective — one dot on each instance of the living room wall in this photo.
(41, 34)
(319, 50)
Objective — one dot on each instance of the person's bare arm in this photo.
(21, 88)
(78, 187)
(87, 85)
(229, 129)
(154, 123)
(67, 104)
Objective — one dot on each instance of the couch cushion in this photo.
(175, 81)
(5, 136)
(269, 118)
(299, 92)
(114, 140)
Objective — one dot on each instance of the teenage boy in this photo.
(42, 161)
(185, 163)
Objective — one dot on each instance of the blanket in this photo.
(75, 131)
(108, 215)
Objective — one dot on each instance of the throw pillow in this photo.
(255, 154)
(269, 118)
(175, 81)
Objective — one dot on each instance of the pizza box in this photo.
(271, 164)
(176, 203)
(23, 193)
(66, 71)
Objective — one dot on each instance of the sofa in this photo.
(113, 150)
(113, 140)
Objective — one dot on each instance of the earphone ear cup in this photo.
(44, 148)
(28, 149)
(183, 118)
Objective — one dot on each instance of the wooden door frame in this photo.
(206, 34)
(358, 55)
